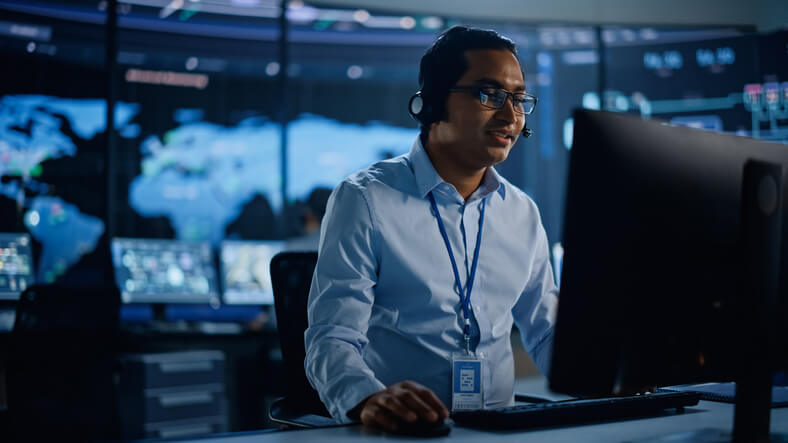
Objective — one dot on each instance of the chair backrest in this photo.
(291, 277)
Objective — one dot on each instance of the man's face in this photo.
(478, 136)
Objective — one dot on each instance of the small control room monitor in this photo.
(657, 286)
(246, 271)
(16, 265)
(164, 271)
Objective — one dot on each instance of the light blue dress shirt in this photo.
(384, 306)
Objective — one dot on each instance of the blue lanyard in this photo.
(465, 296)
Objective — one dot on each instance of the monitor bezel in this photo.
(211, 297)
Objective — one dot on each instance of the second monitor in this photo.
(164, 271)
(246, 271)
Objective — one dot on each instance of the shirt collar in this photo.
(427, 177)
(491, 182)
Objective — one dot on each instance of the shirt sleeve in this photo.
(535, 311)
(340, 304)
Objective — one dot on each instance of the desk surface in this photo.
(705, 415)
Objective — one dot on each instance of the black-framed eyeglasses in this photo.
(495, 98)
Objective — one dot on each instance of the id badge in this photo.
(466, 382)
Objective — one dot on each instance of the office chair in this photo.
(61, 364)
(291, 277)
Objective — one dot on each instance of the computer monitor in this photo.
(164, 271)
(654, 285)
(16, 265)
(246, 271)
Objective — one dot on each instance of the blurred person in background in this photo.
(312, 217)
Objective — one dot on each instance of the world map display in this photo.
(199, 175)
(322, 151)
(202, 174)
(30, 133)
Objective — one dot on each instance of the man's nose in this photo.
(506, 112)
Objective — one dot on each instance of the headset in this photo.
(420, 110)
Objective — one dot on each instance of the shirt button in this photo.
(478, 309)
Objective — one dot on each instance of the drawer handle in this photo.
(180, 431)
(172, 367)
(185, 399)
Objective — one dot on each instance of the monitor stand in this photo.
(159, 312)
(761, 228)
(161, 323)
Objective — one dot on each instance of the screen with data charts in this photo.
(164, 271)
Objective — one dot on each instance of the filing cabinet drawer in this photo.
(183, 403)
(143, 371)
(183, 428)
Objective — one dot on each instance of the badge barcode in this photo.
(466, 406)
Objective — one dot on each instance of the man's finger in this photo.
(428, 397)
(411, 385)
(396, 407)
(435, 403)
(367, 414)
(415, 403)
(374, 415)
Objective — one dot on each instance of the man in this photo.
(402, 252)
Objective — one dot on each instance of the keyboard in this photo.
(569, 412)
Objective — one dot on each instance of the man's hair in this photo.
(444, 63)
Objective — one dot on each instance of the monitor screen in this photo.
(16, 265)
(654, 282)
(246, 271)
(164, 271)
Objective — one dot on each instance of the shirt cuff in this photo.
(352, 396)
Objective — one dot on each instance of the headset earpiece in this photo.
(418, 108)
(527, 132)
(416, 105)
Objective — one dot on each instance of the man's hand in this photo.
(404, 401)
